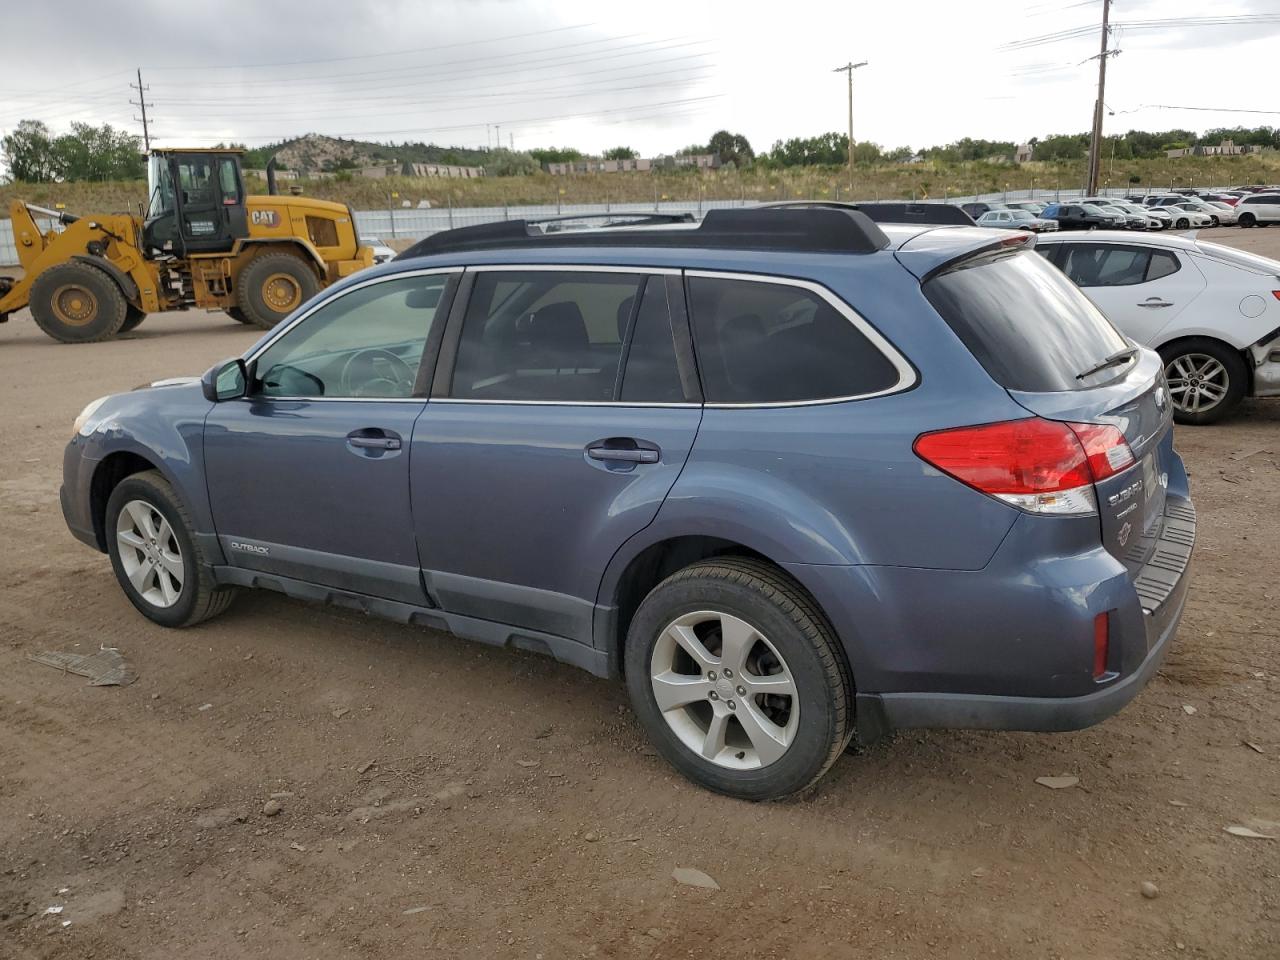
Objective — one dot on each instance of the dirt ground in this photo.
(443, 799)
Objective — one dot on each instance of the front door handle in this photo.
(623, 454)
(1155, 302)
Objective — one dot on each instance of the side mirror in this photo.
(227, 380)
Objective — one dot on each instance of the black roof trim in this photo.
(808, 230)
(933, 213)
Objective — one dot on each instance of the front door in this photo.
(309, 474)
(1139, 288)
(554, 437)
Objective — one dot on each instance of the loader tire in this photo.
(272, 286)
(77, 303)
(132, 317)
(238, 315)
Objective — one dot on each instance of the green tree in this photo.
(510, 163)
(732, 148)
(545, 155)
(620, 153)
(97, 153)
(28, 153)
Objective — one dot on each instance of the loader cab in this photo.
(196, 202)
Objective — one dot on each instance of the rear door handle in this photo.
(1155, 302)
(367, 440)
(623, 454)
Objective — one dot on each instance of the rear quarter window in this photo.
(767, 342)
(1028, 325)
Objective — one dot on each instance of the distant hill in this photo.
(314, 152)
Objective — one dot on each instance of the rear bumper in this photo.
(1045, 714)
(1010, 647)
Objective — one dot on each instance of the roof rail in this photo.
(810, 230)
(933, 212)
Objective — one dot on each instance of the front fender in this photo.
(164, 426)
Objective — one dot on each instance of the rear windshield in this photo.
(1026, 323)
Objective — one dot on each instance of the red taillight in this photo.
(1105, 448)
(1276, 294)
(1101, 644)
(1044, 466)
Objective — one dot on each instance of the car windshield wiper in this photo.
(1114, 360)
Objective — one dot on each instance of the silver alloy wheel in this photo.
(149, 553)
(1197, 382)
(724, 690)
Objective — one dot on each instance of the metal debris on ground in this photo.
(692, 877)
(1057, 783)
(106, 668)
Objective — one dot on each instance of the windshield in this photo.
(1094, 209)
(1026, 323)
(1022, 215)
(160, 187)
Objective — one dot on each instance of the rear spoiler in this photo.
(937, 251)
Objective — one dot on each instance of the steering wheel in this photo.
(376, 373)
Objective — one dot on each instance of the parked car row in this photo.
(1165, 211)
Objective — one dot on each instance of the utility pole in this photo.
(848, 69)
(1095, 141)
(141, 104)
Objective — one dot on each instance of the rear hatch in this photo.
(1060, 358)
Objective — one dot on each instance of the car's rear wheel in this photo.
(739, 680)
(1206, 380)
(155, 557)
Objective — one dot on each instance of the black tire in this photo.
(272, 286)
(198, 598)
(1248, 220)
(1183, 223)
(238, 315)
(77, 303)
(779, 610)
(132, 317)
(1233, 365)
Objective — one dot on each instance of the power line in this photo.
(371, 56)
(142, 105)
(467, 126)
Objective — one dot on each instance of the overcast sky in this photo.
(652, 74)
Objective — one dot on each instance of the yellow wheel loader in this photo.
(202, 243)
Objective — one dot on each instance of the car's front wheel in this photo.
(155, 557)
(1247, 220)
(739, 680)
(1206, 380)
(1183, 223)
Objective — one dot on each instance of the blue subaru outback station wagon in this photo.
(792, 475)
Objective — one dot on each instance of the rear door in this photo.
(1047, 344)
(1141, 289)
(564, 409)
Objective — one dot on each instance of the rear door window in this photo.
(764, 342)
(1025, 322)
(545, 335)
(1111, 265)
